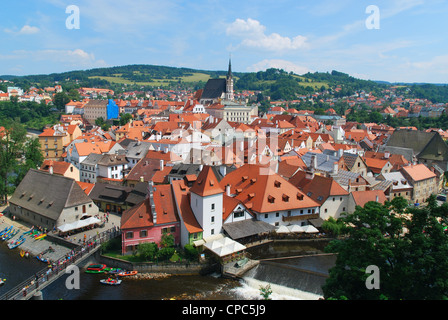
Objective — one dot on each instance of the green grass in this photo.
(117, 78)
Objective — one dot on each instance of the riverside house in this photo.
(150, 219)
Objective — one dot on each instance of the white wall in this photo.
(231, 217)
(334, 208)
(275, 218)
(202, 209)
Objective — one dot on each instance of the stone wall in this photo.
(149, 267)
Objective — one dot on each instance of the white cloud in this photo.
(288, 66)
(26, 29)
(252, 34)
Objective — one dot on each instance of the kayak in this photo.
(10, 234)
(41, 236)
(115, 270)
(7, 233)
(128, 273)
(40, 258)
(5, 230)
(96, 268)
(15, 244)
(111, 282)
(29, 231)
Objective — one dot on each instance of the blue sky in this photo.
(411, 44)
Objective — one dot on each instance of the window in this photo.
(143, 233)
(212, 231)
(277, 214)
(129, 235)
(213, 219)
(238, 214)
(213, 207)
(266, 216)
(76, 208)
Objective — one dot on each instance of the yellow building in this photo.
(54, 139)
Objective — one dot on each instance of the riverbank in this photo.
(60, 247)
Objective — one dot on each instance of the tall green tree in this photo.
(409, 246)
(18, 154)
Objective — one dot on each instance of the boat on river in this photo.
(128, 273)
(96, 268)
(111, 281)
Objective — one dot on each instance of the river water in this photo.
(211, 287)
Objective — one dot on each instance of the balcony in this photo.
(301, 217)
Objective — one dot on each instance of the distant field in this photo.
(117, 78)
(314, 84)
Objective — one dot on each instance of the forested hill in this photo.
(276, 83)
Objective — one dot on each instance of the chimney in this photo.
(313, 162)
(228, 190)
(161, 165)
(50, 170)
(335, 167)
(150, 195)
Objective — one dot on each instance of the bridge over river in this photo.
(31, 287)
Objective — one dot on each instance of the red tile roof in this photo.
(181, 193)
(139, 216)
(320, 188)
(262, 190)
(206, 184)
(362, 197)
(418, 172)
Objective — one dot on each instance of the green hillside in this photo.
(276, 83)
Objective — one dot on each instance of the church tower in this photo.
(229, 83)
(206, 200)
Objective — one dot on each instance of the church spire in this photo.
(229, 83)
(229, 73)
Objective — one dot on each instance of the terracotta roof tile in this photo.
(206, 184)
(181, 193)
(418, 172)
(263, 190)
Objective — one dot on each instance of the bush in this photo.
(148, 251)
(191, 253)
(165, 253)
